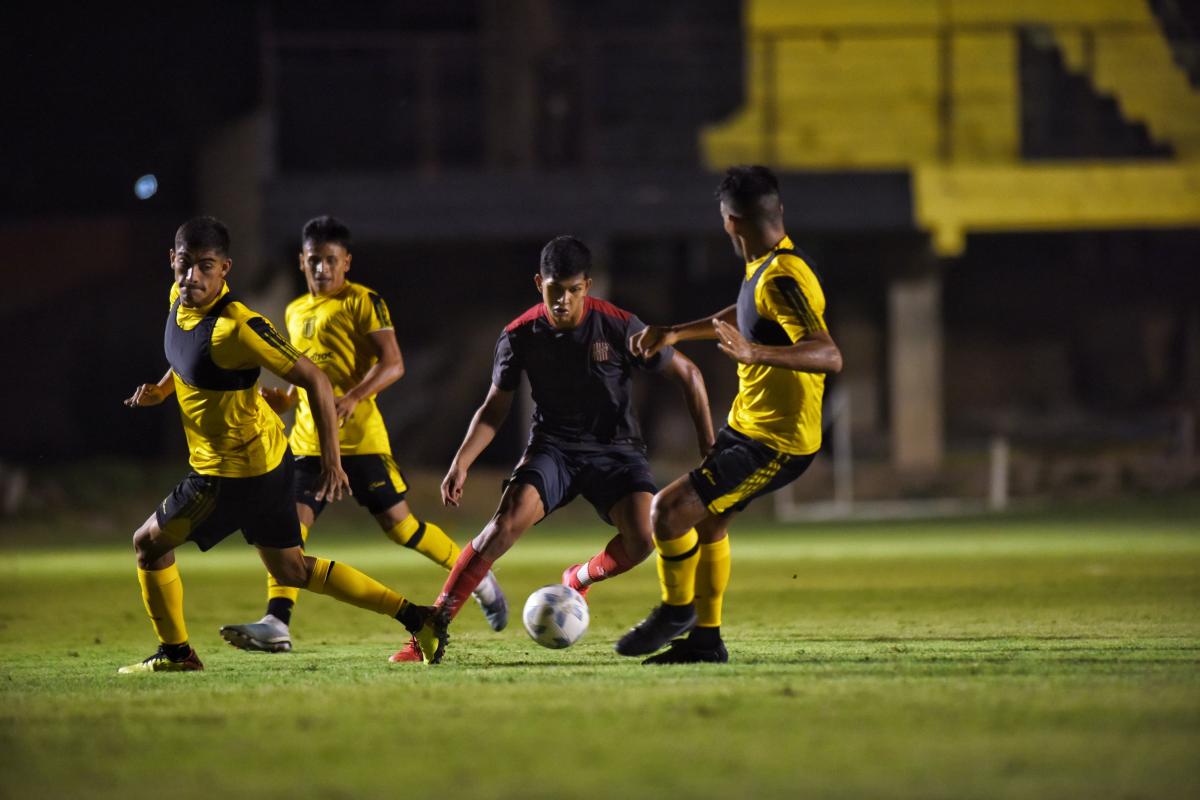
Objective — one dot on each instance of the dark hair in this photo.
(751, 192)
(325, 229)
(565, 257)
(203, 233)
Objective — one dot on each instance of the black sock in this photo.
(410, 617)
(679, 613)
(705, 637)
(177, 652)
(281, 609)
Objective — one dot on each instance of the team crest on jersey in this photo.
(310, 327)
(599, 351)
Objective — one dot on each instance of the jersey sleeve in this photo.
(506, 367)
(793, 298)
(261, 344)
(656, 362)
(372, 313)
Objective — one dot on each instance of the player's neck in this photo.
(762, 245)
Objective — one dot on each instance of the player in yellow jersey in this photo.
(346, 330)
(777, 335)
(241, 474)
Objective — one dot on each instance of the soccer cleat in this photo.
(685, 651)
(570, 577)
(159, 662)
(491, 599)
(269, 635)
(432, 636)
(410, 652)
(662, 625)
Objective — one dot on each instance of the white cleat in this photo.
(491, 599)
(269, 635)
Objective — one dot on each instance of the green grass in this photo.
(1048, 655)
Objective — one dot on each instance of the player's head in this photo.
(563, 279)
(200, 260)
(325, 254)
(750, 206)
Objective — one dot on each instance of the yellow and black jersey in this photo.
(215, 354)
(780, 302)
(334, 332)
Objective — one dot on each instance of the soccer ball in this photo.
(555, 616)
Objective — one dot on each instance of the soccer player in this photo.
(777, 335)
(346, 330)
(242, 472)
(585, 437)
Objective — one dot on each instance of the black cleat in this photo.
(662, 625)
(685, 651)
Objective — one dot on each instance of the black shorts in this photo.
(740, 469)
(207, 508)
(602, 475)
(375, 481)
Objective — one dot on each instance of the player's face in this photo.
(324, 266)
(199, 274)
(732, 223)
(564, 298)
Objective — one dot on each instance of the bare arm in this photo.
(382, 374)
(333, 483)
(816, 352)
(480, 432)
(653, 338)
(681, 370)
(151, 394)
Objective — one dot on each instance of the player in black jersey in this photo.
(585, 437)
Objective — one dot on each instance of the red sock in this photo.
(468, 571)
(612, 560)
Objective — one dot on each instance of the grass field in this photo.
(1047, 655)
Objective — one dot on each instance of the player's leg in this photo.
(675, 512)
(191, 511)
(624, 551)
(704, 643)
(336, 579)
(404, 528)
(520, 507)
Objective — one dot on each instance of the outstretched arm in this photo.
(681, 370)
(650, 340)
(332, 484)
(816, 352)
(151, 394)
(382, 374)
(480, 432)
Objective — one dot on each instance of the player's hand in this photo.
(344, 406)
(148, 394)
(648, 341)
(332, 484)
(452, 485)
(731, 342)
(280, 400)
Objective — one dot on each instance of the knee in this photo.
(291, 572)
(144, 547)
(664, 518)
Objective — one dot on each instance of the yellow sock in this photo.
(343, 582)
(677, 561)
(712, 576)
(427, 539)
(277, 589)
(162, 592)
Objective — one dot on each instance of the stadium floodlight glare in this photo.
(145, 186)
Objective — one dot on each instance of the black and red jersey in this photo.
(580, 378)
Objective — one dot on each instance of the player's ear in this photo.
(171, 258)
(537, 281)
(226, 265)
(349, 258)
(300, 260)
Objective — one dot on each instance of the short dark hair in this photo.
(203, 233)
(564, 257)
(751, 192)
(325, 229)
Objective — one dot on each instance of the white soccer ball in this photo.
(555, 616)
